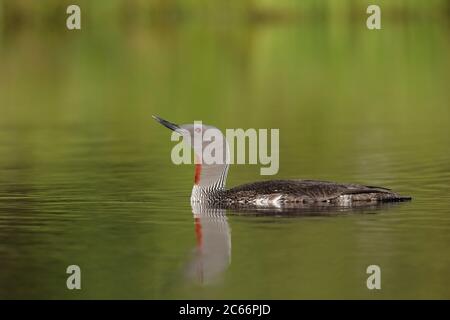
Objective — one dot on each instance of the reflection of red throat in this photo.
(198, 232)
(198, 235)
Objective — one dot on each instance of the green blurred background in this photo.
(86, 177)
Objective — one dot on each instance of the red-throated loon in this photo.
(209, 185)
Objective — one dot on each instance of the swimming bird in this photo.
(209, 185)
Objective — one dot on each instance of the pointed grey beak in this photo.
(167, 124)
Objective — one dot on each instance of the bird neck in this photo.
(211, 169)
(210, 180)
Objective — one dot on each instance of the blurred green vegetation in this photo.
(48, 12)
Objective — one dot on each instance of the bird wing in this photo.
(301, 190)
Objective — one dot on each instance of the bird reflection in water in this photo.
(212, 254)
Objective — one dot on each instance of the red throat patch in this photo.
(198, 171)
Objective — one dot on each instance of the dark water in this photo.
(86, 176)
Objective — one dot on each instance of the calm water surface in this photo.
(86, 176)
